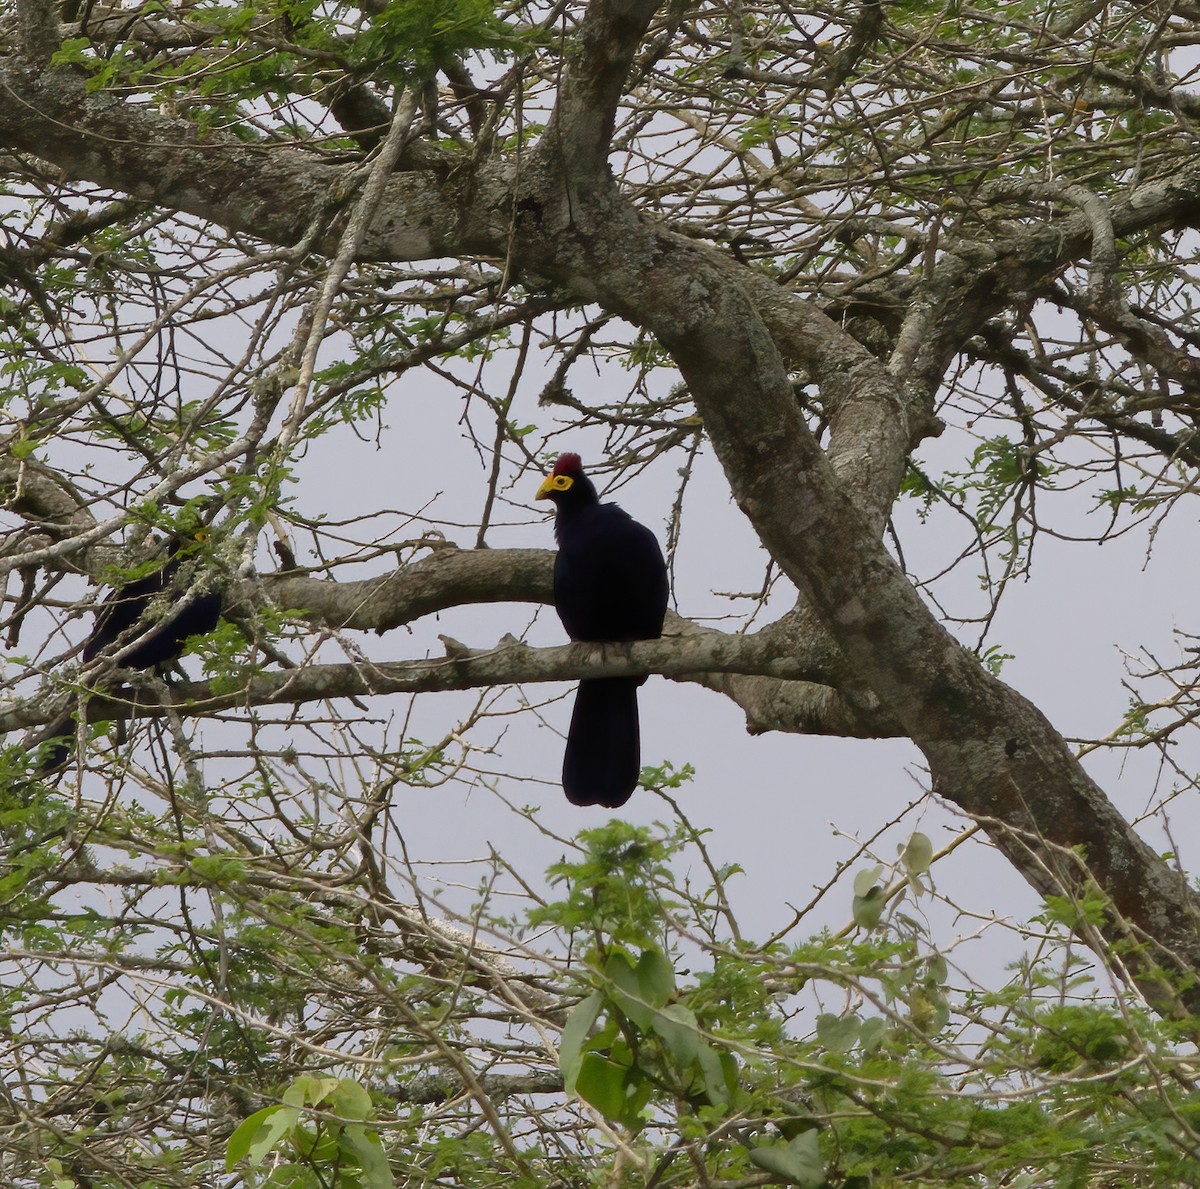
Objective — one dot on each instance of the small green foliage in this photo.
(869, 900)
(1076, 911)
(994, 659)
(646, 354)
(618, 885)
(191, 426)
(918, 486)
(34, 825)
(841, 1060)
(1117, 498)
(999, 469)
(183, 522)
(644, 1043)
(797, 1162)
(1136, 721)
(218, 869)
(401, 42)
(1069, 1035)
(666, 776)
(420, 35)
(225, 653)
(319, 1133)
(632, 1039)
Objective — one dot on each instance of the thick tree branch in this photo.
(974, 280)
(447, 577)
(509, 662)
(450, 577)
(259, 189)
(42, 496)
(990, 751)
(38, 27)
(581, 126)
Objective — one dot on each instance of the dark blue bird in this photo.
(610, 586)
(134, 640)
(144, 623)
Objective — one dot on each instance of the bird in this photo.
(610, 586)
(122, 629)
(144, 623)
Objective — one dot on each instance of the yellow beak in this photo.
(552, 484)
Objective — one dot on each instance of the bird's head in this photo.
(189, 538)
(567, 474)
(191, 524)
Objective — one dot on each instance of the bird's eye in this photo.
(562, 482)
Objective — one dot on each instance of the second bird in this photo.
(132, 638)
(610, 586)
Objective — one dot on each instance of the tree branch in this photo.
(38, 27)
(447, 577)
(251, 188)
(42, 496)
(509, 662)
(974, 280)
(581, 125)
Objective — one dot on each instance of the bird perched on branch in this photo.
(144, 623)
(137, 640)
(610, 585)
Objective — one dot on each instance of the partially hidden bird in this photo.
(610, 586)
(143, 623)
(134, 640)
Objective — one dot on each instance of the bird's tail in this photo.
(602, 761)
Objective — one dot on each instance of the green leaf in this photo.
(257, 1135)
(870, 1035)
(350, 1101)
(918, 854)
(372, 1159)
(59, 1180)
(292, 1176)
(602, 1083)
(838, 1033)
(638, 990)
(720, 1074)
(73, 51)
(656, 977)
(680, 1034)
(865, 880)
(308, 1091)
(798, 1163)
(574, 1036)
(867, 909)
